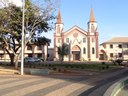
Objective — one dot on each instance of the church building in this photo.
(83, 45)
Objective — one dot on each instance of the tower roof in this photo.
(92, 18)
(59, 18)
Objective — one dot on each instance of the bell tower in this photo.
(92, 38)
(92, 24)
(58, 35)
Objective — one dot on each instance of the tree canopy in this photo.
(37, 20)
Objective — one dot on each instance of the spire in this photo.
(59, 18)
(92, 18)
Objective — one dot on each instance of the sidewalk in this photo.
(103, 84)
(123, 92)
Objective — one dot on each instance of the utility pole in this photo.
(22, 45)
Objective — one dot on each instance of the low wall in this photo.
(116, 87)
(37, 71)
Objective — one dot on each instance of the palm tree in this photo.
(63, 51)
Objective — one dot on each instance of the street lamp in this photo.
(22, 45)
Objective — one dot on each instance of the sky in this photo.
(17, 2)
(111, 16)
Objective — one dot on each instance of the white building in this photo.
(83, 44)
(33, 51)
(115, 48)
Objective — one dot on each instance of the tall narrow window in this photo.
(93, 50)
(92, 27)
(58, 29)
(84, 40)
(67, 40)
(84, 50)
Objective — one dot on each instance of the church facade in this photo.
(83, 45)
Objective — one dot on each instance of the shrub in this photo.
(119, 61)
(54, 68)
(102, 63)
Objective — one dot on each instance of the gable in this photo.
(75, 31)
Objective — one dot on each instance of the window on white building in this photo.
(84, 40)
(92, 28)
(84, 50)
(67, 40)
(120, 54)
(120, 46)
(111, 55)
(111, 46)
(93, 50)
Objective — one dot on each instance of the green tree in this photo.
(63, 51)
(41, 41)
(37, 20)
(10, 30)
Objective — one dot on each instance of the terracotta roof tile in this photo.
(118, 40)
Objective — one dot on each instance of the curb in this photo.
(116, 87)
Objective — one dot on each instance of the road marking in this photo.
(24, 91)
(12, 84)
(65, 91)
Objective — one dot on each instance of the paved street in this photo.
(75, 84)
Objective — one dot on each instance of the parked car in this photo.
(37, 59)
(32, 59)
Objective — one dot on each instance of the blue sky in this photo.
(111, 16)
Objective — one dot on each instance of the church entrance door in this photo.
(76, 55)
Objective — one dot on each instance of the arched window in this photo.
(92, 28)
(58, 29)
(84, 50)
(84, 40)
(93, 50)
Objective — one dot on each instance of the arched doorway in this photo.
(76, 53)
(103, 55)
